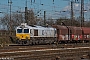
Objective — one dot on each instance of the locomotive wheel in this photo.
(19, 42)
(25, 42)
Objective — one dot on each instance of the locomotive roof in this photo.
(33, 26)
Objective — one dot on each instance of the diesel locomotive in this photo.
(33, 34)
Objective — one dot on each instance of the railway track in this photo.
(45, 53)
(40, 52)
(47, 46)
(13, 47)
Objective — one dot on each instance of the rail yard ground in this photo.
(78, 51)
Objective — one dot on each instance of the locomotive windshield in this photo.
(19, 30)
(26, 30)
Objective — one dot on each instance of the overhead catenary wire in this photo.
(40, 4)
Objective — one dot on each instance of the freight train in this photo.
(33, 34)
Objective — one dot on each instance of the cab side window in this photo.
(35, 32)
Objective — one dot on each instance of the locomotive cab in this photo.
(23, 34)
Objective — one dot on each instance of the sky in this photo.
(50, 6)
(37, 3)
(53, 8)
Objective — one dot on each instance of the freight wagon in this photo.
(72, 34)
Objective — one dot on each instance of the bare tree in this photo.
(68, 22)
(15, 20)
(5, 21)
(31, 18)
